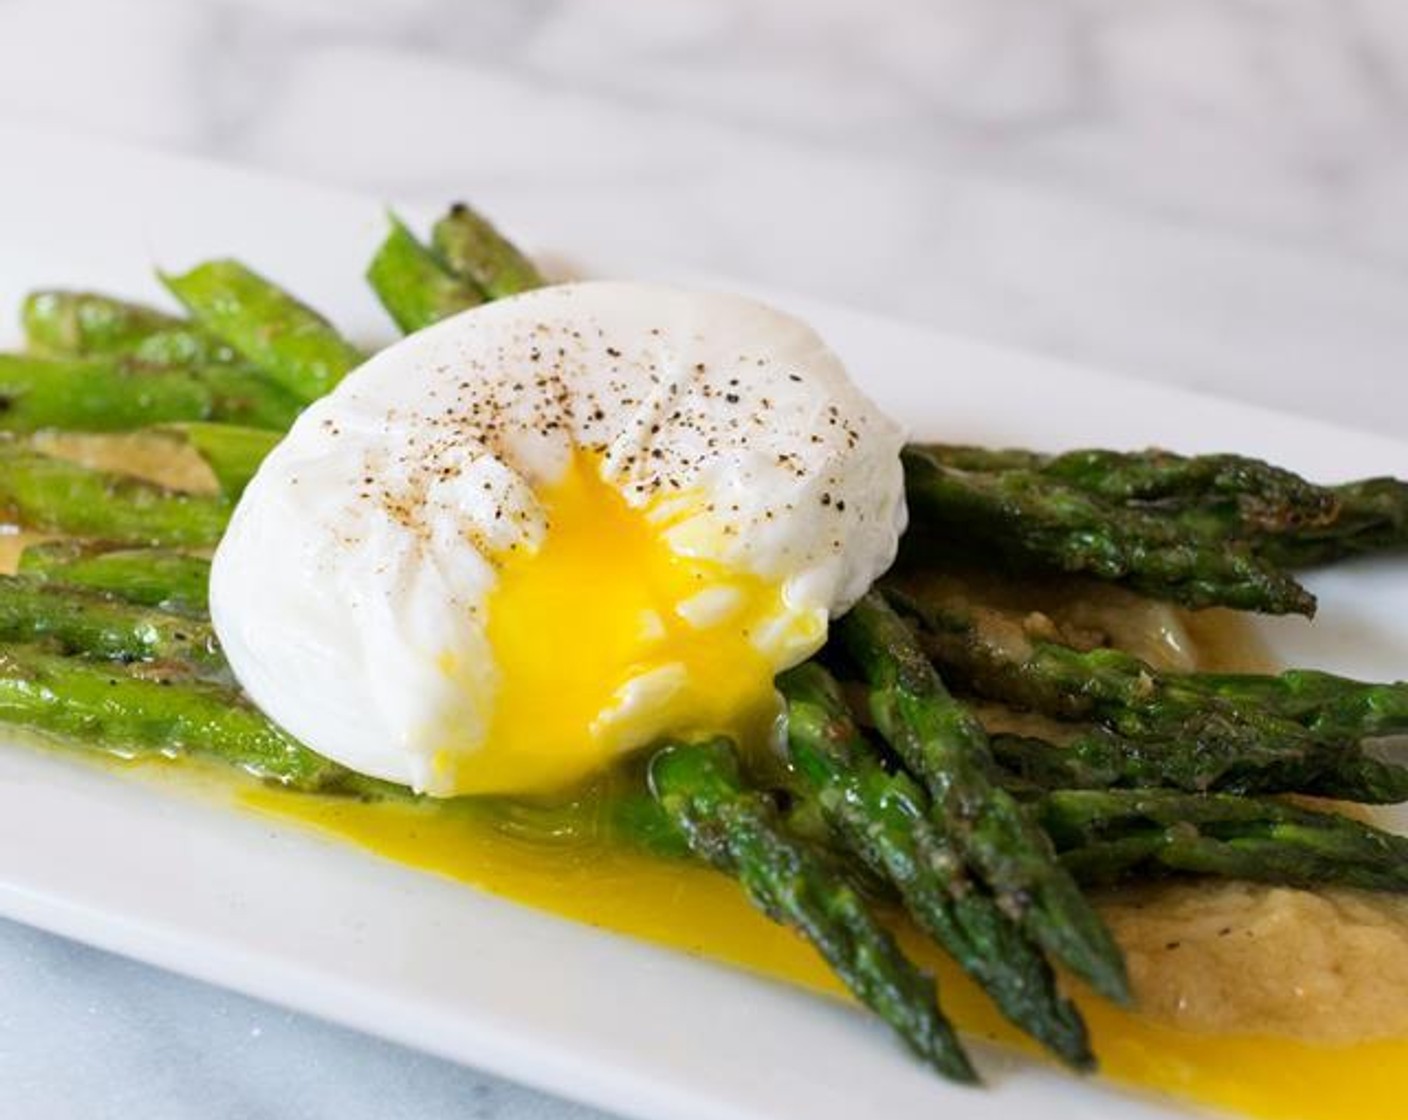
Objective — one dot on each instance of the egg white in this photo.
(350, 591)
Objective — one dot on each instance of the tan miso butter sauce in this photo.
(162, 459)
(1329, 966)
(11, 545)
(1274, 1002)
(153, 457)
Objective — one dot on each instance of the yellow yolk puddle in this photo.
(601, 602)
(691, 908)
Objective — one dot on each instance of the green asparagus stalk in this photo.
(414, 287)
(183, 347)
(1107, 835)
(171, 581)
(1372, 517)
(943, 744)
(737, 831)
(232, 453)
(52, 495)
(883, 818)
(1098, 759)
(88, 324)
(1033, 522)
(475, 251)
(1242, 494)
(1298, 732)
(242, 395)
(982, 460)
(1104, 863)
(90, 624)
(1329, 706)
(94, 395)
(286, 339)
(1281, 518)
(104, 395)
(111, 708)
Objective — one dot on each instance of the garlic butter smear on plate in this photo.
(546, 532)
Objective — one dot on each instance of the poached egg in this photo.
(545, 532)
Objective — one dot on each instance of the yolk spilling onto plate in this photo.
(604, 638)
(692, 908)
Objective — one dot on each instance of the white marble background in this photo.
(1205, 191)
(1208, 192)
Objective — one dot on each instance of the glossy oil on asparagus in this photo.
(883, 817)
(736, 829)
(943, 743)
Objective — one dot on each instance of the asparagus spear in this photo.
(1372, 517)
(244, 396)
(83, 324)
(1279, 516)
(1033, 522)
(970, 457)
(1244, 493)
(475, 251)
(1238, 732)
(51, 495)
(737, 831)
(91, 624)
(232, 453)
(882, 818)
(1030, 671)
(111, 708)
(943, 744)
(1106, 835)
(412, 284)
(171, 581)
(1329, 706)
(105, 395)
(1098, 759)
(183, 347)
(286, 339)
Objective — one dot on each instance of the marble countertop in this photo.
(1213, 194)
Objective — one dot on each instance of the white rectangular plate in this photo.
(328, 929)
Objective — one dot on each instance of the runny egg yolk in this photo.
(692, 908)
(605, 638)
